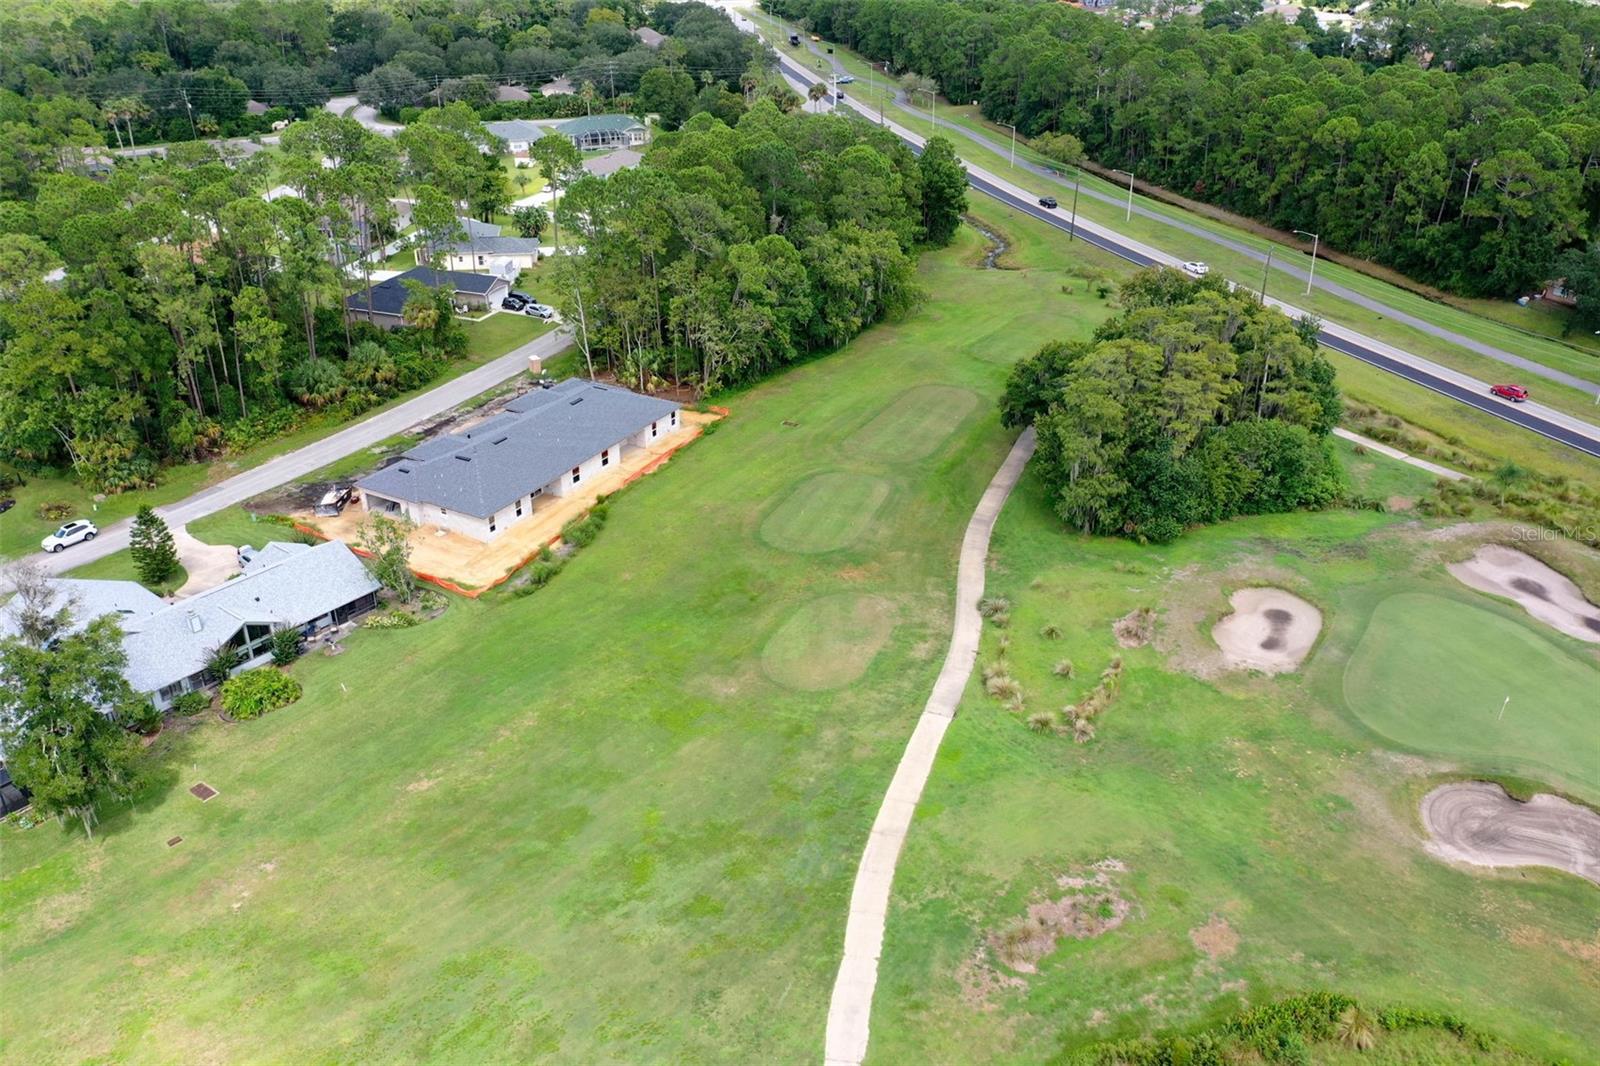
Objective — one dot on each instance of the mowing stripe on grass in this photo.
(825, 513)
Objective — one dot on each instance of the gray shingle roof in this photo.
(517, 129)
(290, 589)
(285, 585)
(91, 599)
(603, 166)
(495, 246)
(389, 296)
(481, 470)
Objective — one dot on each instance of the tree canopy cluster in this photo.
(1195, 404)
(1455, 143)
(169, 309)
(76, 74)
(736, 250)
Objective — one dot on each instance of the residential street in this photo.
(314, 456)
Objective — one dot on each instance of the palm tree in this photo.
(1356, 1030)
(817, 91)
(108, 111)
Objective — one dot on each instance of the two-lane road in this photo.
(1546, 421)
(318, 454)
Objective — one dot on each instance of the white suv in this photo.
(71, 533)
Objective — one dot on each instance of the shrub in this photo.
(1039, 721)
(540, 573)
(990, 606)
(256, 692)
(390, 620)
(286, 645)
(221, 662)
(143, 719)
(1000, 619)
(993, 669)
(55, 511)
(431, 601)
(191, 703)
(1050, 632)
(581, 532)
(1062, 668)
(1002, 687)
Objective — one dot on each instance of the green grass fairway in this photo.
(825, 513)
(1256, 802)
(1431, 674)
(914, 424)
(828, 642)
(582, 826)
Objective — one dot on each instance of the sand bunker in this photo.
(1544, 593)
(1269, 630)
(1476, 822)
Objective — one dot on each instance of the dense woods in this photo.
(1456, 143)
(123, 74)
(735, 250)
(1194, 405)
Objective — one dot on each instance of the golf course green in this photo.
(1436, 675)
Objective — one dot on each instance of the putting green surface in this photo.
(825, 513)
(581, 826)
(828, 642)
(1444, 677)
(914, 425)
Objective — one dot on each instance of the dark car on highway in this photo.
(1047, 201)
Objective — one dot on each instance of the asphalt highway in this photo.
(1545, 421)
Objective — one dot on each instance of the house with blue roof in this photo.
(545, 445)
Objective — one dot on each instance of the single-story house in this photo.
(504, 256)
(605, 131)
(556, 87)
(256, 107)
(284, 586)
(603, 166)
(389, 296)
(517, 133)
(514, 94)
(648, 37)
(483, 480)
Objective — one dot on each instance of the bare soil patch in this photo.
(1544, 593)
(1090, 906)
(1216, 939)
(1476, 822)
(1269, 630)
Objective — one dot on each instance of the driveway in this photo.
(367, 116)
(318, 454)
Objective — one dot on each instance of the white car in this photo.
(1196, 269)
(77, 530)
(543, 311)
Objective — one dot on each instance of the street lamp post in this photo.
(1316, 240)
(1129, 216)
(1013, 130)
(1077, 183)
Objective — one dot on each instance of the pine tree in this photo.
(155, 556)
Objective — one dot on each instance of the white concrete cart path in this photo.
(850, 1009)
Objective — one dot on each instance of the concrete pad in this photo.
(209, 565)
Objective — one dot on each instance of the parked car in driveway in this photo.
(1514, 393)
(540, 311)
(1047, 201)
(523, 296)
(79, 529)
(513, 302)
(1196, 269)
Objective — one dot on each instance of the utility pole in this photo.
(1077, 183)
(1128, 217)
(1264, 273)
(1316, 240)
(1013, 144)
(190, 108)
